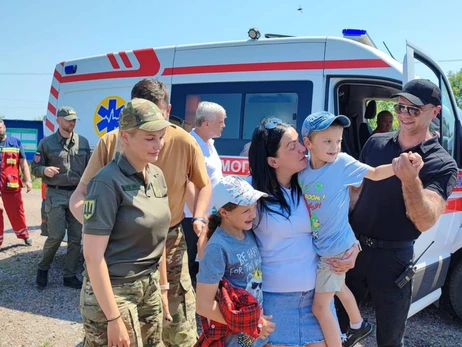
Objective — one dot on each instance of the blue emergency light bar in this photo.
(353, 32)
(70, 69)
(358, 35)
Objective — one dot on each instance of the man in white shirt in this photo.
(209, 124)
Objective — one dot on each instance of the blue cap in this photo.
(321, 121)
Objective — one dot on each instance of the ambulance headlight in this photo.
(254, 33)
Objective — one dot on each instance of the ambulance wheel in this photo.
(455, 292)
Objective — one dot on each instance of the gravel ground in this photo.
(431, 327)
(50, 317)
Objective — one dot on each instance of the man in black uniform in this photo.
(391, 214)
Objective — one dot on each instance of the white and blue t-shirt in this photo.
(212, 164)
(327, 199)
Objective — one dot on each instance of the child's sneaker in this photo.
(353, 336)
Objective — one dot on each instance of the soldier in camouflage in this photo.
(181, 160)
(126, 219)
(60, 161)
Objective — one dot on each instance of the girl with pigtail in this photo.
(232, 254)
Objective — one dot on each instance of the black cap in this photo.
(421, 92)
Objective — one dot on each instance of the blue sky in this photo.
(37, 35)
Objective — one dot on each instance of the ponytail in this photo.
(214, 223)
(215, 219)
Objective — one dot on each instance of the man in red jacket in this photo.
(12, 157)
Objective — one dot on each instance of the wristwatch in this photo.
(195, 219)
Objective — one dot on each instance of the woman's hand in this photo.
(164, 287)
(117, 334)
(165, 309)
(201, 243)
(267, 327)
(341, 266)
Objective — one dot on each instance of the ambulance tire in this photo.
(455, 292)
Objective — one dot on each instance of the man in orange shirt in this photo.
(181, 160)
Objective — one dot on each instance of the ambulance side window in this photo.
(261, 105)
(230, 102)
(256, 107)
(246, 103)
(449, 121)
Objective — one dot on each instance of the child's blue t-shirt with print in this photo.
(327, 198)
(238, 261)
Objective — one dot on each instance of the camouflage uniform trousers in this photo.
(60, 218)
(140, 305)
(182, 332)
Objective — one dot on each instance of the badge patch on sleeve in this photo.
(89, 207)
(452, 183)
(37, 157)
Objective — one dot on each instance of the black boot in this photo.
(28, 241)
(42, 278)
(72, 282)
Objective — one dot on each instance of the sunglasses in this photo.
(273, 123)
(256, 285)
(411, 110)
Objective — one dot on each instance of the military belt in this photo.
(374, 243)
(63, 187)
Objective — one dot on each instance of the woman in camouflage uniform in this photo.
(126, 219)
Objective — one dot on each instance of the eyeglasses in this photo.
(272, 123)
(411, 110)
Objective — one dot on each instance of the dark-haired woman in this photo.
(283, 233)
(231, 253)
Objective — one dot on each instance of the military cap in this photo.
(66, 112)
(142, 114)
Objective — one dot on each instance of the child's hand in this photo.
(416, 160)
(267, 327)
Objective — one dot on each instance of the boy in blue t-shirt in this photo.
(325, 184)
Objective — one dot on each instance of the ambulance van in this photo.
(284, 77)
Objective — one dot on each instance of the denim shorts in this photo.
(296, 324)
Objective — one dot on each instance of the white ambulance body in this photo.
(287, 78)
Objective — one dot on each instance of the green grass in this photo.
(36, 183)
